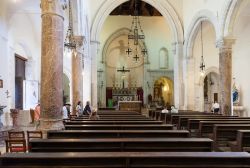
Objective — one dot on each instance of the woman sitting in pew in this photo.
(174, 110)
(93, 115)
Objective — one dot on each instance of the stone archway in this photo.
(229, 16)
(210, 89)
(191, 97)
(163, 7)
(168, 12)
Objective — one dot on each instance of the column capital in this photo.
(225, 43)
(176, 45)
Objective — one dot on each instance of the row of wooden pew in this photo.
(129, 139)
(225, 131)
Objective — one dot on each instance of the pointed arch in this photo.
(163, 7)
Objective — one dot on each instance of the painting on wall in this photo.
(31, 94)
(1, 83)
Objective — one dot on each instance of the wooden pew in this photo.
(119, 127)
(117, 134)
(103, 112)
(206, 127)
(122, 145)
(223, 133)
(126, 159)
(183, 121)
(115, 119)
(116, 116)
(150, 113)
(175, 117)
(193, 123)
(111, 122)
(242, 142)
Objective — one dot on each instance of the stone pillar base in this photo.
(50, 124)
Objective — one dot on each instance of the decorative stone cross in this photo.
(136, 57)
(136, 36)
(144, 51)
(202, 66)
(128, 51)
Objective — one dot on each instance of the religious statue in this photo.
(235, 93)
(237, 108)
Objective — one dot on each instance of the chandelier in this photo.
(70, 42)
(202, 64)
(135, 34)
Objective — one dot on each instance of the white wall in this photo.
(157, 35)
(192, 7)
(241, 56)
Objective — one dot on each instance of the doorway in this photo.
(163, 92)
(211, 90)
(19, 78)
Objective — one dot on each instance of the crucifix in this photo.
(123, 70)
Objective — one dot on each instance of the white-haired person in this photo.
(174, 110)
(93, 115)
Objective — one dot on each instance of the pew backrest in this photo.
(127, 159)
(206, 127)
(54, 134)
(119, 127)
(122, 144)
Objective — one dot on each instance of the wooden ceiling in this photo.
(144, 9)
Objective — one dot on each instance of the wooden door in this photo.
(19, 78)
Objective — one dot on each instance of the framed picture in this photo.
(1, 83)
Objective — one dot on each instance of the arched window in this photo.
(163, 58)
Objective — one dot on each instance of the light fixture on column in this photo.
(136, 33)
(202, 64)
(70, 42)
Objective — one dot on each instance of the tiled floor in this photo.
(23, 128)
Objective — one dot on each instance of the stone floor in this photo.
(29, 127)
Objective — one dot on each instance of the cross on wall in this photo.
(123, 70)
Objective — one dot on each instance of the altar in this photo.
(124, 97)
(130, 106)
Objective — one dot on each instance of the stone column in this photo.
(178, 75)
(94, 54)
(52, 65)
(225, 69)
(77, 79)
